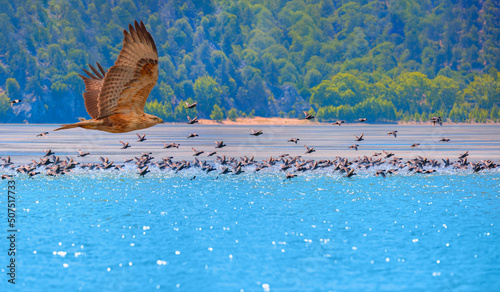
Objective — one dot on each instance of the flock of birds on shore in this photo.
(291, 166)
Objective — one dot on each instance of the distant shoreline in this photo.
(297, 122)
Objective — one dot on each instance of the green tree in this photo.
(207, 92)
(13, 88)
(232, 114)
(4, 106)
(217, 114)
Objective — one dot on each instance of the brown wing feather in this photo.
(92, 88)
(128, 83)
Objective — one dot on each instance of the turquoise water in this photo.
(106, 231)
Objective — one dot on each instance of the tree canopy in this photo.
(387, 60)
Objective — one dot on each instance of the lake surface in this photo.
(320, 231)
(114, 231)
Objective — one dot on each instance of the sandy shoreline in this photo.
(296, 122)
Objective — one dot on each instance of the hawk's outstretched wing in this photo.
(128, 83)
(93, 84)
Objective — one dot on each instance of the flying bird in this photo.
(167, 146)
(43, 134)
(360, 138)
(15, 101)
(293, 140)
(350, 173)
(193, 105)
(308, 116)
(355, 147)
(256, 133)
(141, 138)
(82, 154)
(144, 171)
(415, 145)
(192, 121)
(219, 144)
(309, 150)
(436, 120)
(394, 133)
(380, 172)
(192, 135)
(444, 140)
(361, 120)
(338, 123)
(125, 145)
(115, 98)
(196, 153)
(238, 170)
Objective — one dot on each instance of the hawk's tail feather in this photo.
(82, 124)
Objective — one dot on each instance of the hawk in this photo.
(115, 99)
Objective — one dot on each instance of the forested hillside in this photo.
(383, 60)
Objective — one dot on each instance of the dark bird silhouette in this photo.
(355, 147)
(360, 138)
(415, 145)
(290, 176)
(43, 134)
(258, 133)
(48, 153)
(294, 140)
(362, 120)
(436, 120)
(444, 140)
(13, 102)
(144, 171)
(380, 172)
(108, 164)
(387, 154)
(462, 156)
(5, 176)
(219, 144)
(192, 121)
(115, 99)
(82, 154)
(350, 173)
(141, 138)
(224, 170)
(167, 146)
(196, 153)
(31, 174)
(308, 116)
(125, 145)
(309, 150)
(446, 162)
(338, 123)
(193, 105)
(394, 133)
(238, 170)
(193, 177)
(192, 135)
(212, 153)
